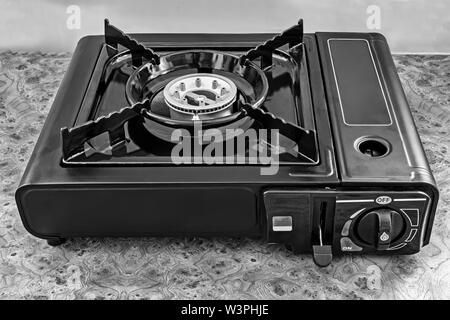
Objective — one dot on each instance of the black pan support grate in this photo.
(115, 36)
(74, 139)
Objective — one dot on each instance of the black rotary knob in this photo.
(380, 227)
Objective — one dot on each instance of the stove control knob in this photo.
(380, 228)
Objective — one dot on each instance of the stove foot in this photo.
(55, 242)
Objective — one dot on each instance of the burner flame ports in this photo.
(200, 95)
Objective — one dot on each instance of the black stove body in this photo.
(357, 181)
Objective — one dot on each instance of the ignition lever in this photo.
(322, 254)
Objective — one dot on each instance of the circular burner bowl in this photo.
(200, 71)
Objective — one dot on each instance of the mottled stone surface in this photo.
(198, 268)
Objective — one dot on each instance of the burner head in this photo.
(200, 96)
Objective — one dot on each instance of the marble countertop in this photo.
(198, 268)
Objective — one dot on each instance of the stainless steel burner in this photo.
(244, 82)
(200, 96)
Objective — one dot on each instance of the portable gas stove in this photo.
(302, 139)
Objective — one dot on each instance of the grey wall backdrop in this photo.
(56, 25)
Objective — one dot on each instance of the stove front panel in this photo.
(132, 211)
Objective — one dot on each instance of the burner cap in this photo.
(200, 96)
